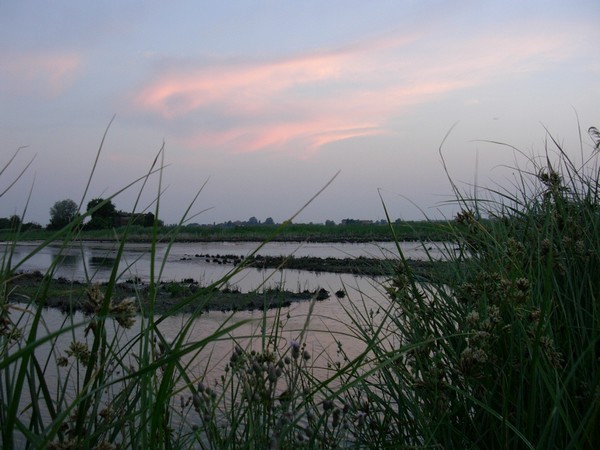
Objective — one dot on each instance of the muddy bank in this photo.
(179, 297)
(370, 267)
(187, 296)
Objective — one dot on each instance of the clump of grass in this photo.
(269, 398)
(506, 353)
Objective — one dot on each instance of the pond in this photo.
(327, 336)
(94, 260)
(329, 329)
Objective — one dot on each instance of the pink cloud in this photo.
(308, 136)
(309, 101)
(46, 74)
(177, 93)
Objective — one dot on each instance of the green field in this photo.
(405, 231)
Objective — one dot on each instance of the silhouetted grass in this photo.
(507, 354)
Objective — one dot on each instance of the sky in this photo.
(257, 105)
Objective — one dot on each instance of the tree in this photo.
(5, 223)
(62, 213)
(148, 220)
(30, 226)
(15, 221)
(252, 221)
(104, 216)
(269, 221)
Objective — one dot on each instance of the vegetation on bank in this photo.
(507, 355)
(501, 354)
(73, 296)
(372, 267)
(70, 295)
(292, 232)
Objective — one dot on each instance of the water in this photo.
(94, 260)
(324, 333)
(328, 330)
(327, 326)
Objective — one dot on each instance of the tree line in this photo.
(102, 215)
(102, 212)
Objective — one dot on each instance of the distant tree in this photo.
(149, 220)
(31, 226)
(329, 223)
(62, 213)
(4, 223)
(252, 221)
(15, 221)
(269, 221)
(104, 216)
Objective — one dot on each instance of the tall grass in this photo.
(503, 352)
(110, 379)
(112, 388)
(506, 352)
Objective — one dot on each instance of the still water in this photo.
(325, 326)
(94, 261)
(326, 330)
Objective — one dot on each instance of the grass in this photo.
(507, 354)
(502, 354)
(292, 232)
(71, 296)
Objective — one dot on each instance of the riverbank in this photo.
(70, 295)
(362, 266)
(185, 296)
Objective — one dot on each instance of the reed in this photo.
(504, 353)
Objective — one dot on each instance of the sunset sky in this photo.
(267, 100)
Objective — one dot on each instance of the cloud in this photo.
(304, 102)
(308, 135)
(178, 93)
(39, 73)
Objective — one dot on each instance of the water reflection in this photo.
(326, 329)
(70, 260)
(184, 261)
(101, 262)
(325, 333)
